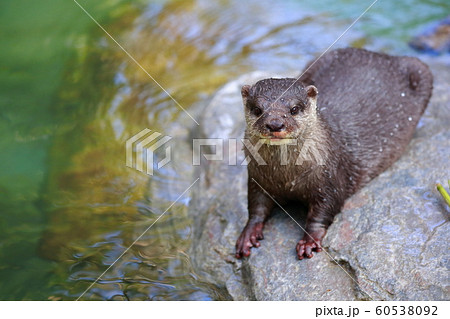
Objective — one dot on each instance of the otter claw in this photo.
(305, 248)
(249, 238)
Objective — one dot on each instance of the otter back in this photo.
(372, 102)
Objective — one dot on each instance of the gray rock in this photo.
(435, 40)
(389, 242)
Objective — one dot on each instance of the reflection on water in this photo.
(70, 207)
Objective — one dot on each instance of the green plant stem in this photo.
(444, 193)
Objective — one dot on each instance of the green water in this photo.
(70, 98)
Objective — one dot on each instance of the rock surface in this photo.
(389, 242)
(436, 40)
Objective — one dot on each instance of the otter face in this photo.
(277, 109)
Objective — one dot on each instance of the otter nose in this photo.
(275, 125)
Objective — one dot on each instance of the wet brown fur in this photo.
(368, 105)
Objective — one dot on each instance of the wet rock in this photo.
(436, 40)
(389, 243)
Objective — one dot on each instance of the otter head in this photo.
(279, 109)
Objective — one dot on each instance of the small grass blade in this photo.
(444, 193)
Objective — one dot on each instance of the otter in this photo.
(327, 134)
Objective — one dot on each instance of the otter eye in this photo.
(295, 110)
(256, 111)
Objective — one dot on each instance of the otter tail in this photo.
(420, 80)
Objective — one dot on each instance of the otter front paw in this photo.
(305, 248)
(310, 243)
(249, 238)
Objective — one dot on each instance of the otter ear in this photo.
(245, 91)
(311, 91)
